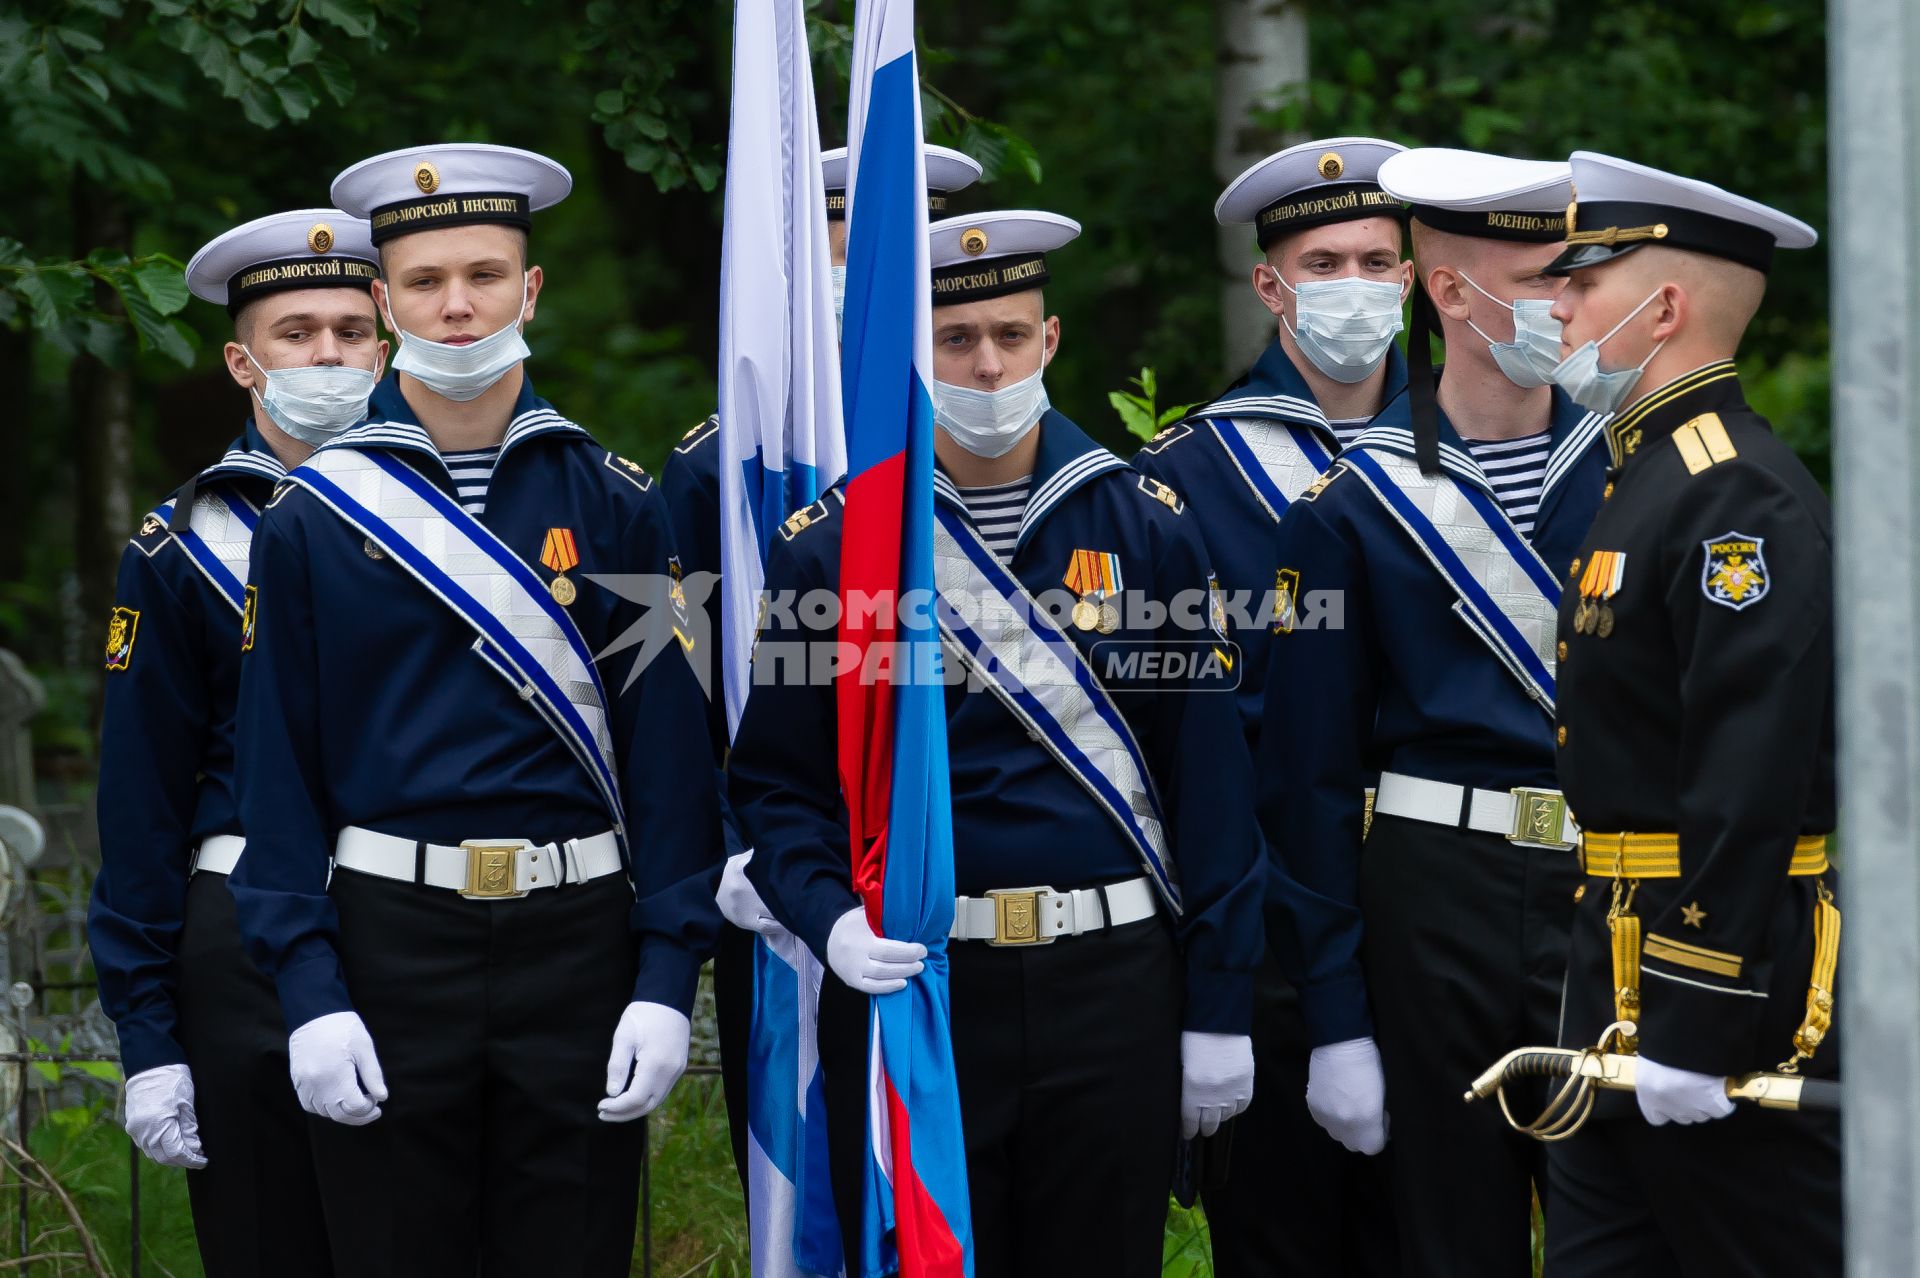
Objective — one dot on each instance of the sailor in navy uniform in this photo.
(465, 683)
(1097, 1017)
(1696, 743)
(691, 482)
(200, 1036)
(1292, 1201)
(1414, 639)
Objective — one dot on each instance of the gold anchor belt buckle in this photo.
(490, 871)
(1539, 817)
(1016, 916)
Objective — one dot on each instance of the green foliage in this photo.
(1732, 91)
(1138, 411)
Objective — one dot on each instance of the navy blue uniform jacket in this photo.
(166, 760)
(364, 702)
(1393, 681)
(1019, 819)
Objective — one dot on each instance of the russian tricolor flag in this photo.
(892, 729)
(780, 439)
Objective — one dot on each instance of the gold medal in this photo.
(1588, 616)
(1109, 619)
(560, 552)
(1606, 620)
(1580, 618)
(1085, 615)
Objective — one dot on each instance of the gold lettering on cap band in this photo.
(1326, 204)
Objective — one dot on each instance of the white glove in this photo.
(649, 1055)
(1216, 1080)
(1669, 1095)
(160, 1117)
(1347, 1094)
(871, 964)
(739, 904)
(335, 1073)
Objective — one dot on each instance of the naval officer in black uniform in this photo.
(200, 1035)
(1696, 741)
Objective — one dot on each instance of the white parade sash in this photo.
(523, 633)
(1004, 638)
(218, 539)
(1279, 460)
(1506, 593)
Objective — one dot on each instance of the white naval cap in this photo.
(424, 188)
(1491, 197)
(947, 171)
(1312, 184)
(1622, 206)
(303, 248)
(983, 255)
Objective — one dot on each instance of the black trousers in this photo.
(1068, 1058)
(1757, 1193)
(492, 1022)
(1465, 956)
(733, 1010)
(256, 1205)
(1296, 1203)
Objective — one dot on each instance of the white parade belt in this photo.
(218, 855)
(1040, 915)
(1527, 817)
(486, 869)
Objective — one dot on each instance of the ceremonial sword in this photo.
(1584, 1069)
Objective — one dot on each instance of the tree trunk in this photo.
(1262, 57)
(100, 399)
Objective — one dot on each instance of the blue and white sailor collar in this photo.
(1275, 390)
(391, 422)
(1067, 459)
(247, 457)
(1571, 428)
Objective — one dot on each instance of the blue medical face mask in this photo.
(314, 403)
(1530, 358)
(463, 372)
(1596, 389)
(1346, 325)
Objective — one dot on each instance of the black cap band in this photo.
(431, 212)
(284, 274)
(978, 281)
(1347, 202)
(1495, 224)
(837, 204)
(1604, 229)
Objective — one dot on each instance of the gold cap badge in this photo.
(973, 242)
(1332, 166)
(320, 238)
(426, 177)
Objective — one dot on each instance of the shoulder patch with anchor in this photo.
(698, 435)
(1734, 572)
(805, 518)
(1162, 494)
(280, 490)
(152, 535)
(1171, 435)
(1703, 442)
(632, 472)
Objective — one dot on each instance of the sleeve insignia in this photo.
(123, 627)
(280, 490)
(632, 472)
(677, 597)
(152, 536)
(1171, 435)
(697, 435)
(1162, 494)
(1286, 600)
(249, 615)
(1733, 572)
(801, 520)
